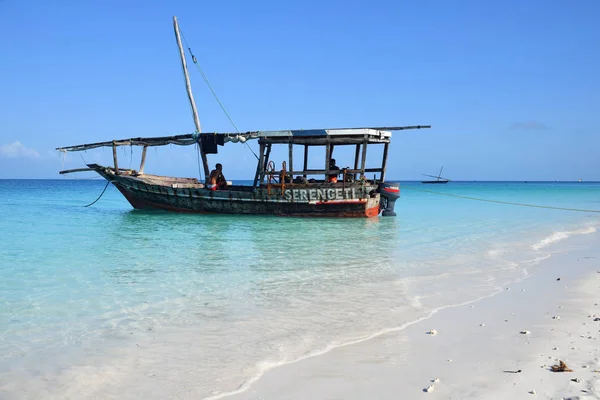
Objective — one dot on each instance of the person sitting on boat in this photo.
(333, 178)
(217, 179)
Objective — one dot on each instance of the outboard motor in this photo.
(389, 192)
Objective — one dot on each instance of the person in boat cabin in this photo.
(216, 179)
(333, 178)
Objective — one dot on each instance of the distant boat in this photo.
(438, 178)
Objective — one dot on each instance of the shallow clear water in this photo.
(95, 301)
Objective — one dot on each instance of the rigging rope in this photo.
(213, 91)
(93, 202)
(502, 202)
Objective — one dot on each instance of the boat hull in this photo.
(306, 200)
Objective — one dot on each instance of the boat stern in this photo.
(389, 192)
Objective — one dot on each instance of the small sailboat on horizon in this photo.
(438, 178)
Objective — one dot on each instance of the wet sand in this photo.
(478, 348)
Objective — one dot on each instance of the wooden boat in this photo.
(327, 192)
(438, 178)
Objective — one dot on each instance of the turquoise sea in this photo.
(109, 302)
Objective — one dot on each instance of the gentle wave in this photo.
(559, 236)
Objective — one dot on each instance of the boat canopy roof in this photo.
(300, 136)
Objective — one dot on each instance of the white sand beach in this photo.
(478, 348)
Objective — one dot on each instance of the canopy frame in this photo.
(330, 138)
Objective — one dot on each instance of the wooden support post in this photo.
(327, 158)
(259, 167)
(188, 87)
(265, 163)
(141, 171)
(356, 156)
(115, 158)
(291, 165)
(363, 161)
(384, 161)
(305, 160)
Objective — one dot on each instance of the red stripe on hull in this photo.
(358, 201)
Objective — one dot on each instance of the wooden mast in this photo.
(188, 87)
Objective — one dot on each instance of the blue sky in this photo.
(511, 88)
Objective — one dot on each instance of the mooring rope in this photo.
(213, 91)
(93, 202)
(501, 202)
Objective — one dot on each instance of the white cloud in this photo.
(17, 149)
